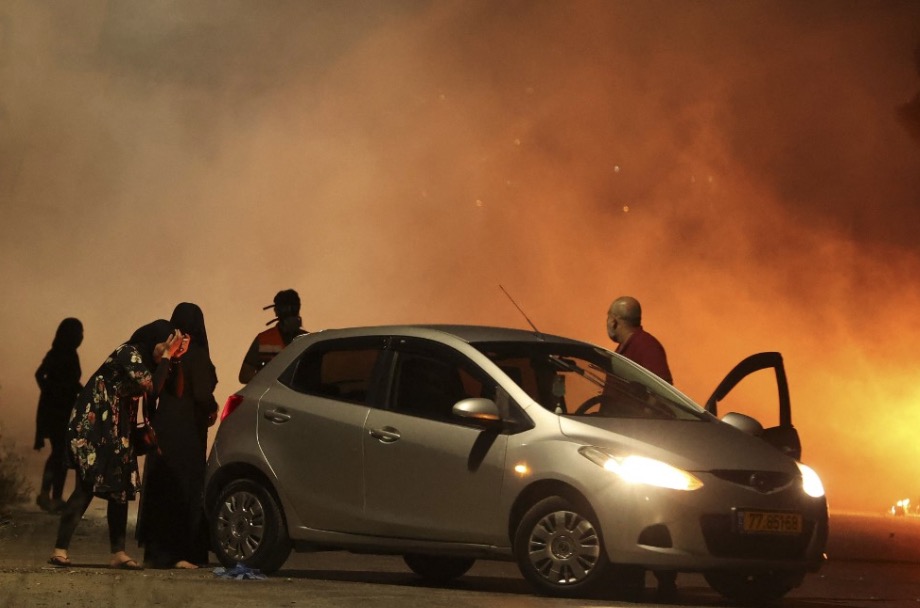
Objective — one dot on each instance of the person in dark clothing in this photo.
(271, 341)
(624, 326)
(99, 434)
(170, 524)
(58, 379)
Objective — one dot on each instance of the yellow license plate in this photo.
(769, 522)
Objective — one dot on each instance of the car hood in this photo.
(704, 445)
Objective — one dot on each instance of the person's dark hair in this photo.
(69, 335)
(189, 319)
(145, 339)
(286, 305)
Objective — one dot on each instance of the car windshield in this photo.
(582, 380)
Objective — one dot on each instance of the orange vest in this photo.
(270, 344)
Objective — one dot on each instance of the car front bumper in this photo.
(701, 530)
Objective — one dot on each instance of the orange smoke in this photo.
(738, 167)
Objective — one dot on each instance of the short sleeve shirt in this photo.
(643, 348)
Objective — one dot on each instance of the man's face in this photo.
(612, 324)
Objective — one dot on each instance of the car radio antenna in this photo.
(536, 331)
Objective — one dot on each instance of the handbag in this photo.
(143, 435)
(144, 438)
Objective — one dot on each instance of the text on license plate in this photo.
(769, 522)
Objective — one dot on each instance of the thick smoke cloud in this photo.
(749, 170)
(909, 113)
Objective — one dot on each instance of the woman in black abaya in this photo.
(58, 378)
(171, 526)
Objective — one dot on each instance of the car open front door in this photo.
(783, 436)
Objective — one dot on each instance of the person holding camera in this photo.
(170, 522)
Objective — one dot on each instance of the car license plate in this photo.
(769, 522)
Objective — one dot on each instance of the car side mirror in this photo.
(744, 423)
(785, 439)
(477, 408)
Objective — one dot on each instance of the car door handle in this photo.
(385, 435)
(278, 415)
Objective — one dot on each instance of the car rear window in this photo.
(343, 370)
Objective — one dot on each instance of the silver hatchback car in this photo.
(447, 444)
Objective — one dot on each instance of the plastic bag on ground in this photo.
(240, 572)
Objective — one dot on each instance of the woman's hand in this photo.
(174, 347)
(184, 341)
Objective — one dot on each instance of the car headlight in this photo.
(639, 469)
(811, 483)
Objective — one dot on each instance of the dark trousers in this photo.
(55, 473)
(116, 515)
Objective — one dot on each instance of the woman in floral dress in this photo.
(99, 434)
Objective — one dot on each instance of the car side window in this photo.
(342, 370)
(428, 380)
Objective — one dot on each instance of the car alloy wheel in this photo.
(240, 525)
(558, 548)
(247, 527)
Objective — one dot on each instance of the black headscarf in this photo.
(189, 319)
(145, 339)
(69, 335)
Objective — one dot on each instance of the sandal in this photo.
(128, 564)
(61, 561)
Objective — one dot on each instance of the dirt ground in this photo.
(860, 548)
(26, 540)
(318, 580)
(874, 562)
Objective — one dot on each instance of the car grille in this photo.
(764, 482)
(723, 541)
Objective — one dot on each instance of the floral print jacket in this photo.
(99, 432)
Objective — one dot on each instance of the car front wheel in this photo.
(559, 550)
(247, 528)
(754, 588)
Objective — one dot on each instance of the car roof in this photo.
(472, 334)
(485, 333)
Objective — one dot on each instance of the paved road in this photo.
(875, 563)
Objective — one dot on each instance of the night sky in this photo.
(749, 170)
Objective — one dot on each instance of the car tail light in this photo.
(232, 402)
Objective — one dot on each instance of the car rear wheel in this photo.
(559, 550)
(438, 568)
(247, 528)
(754, 588)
